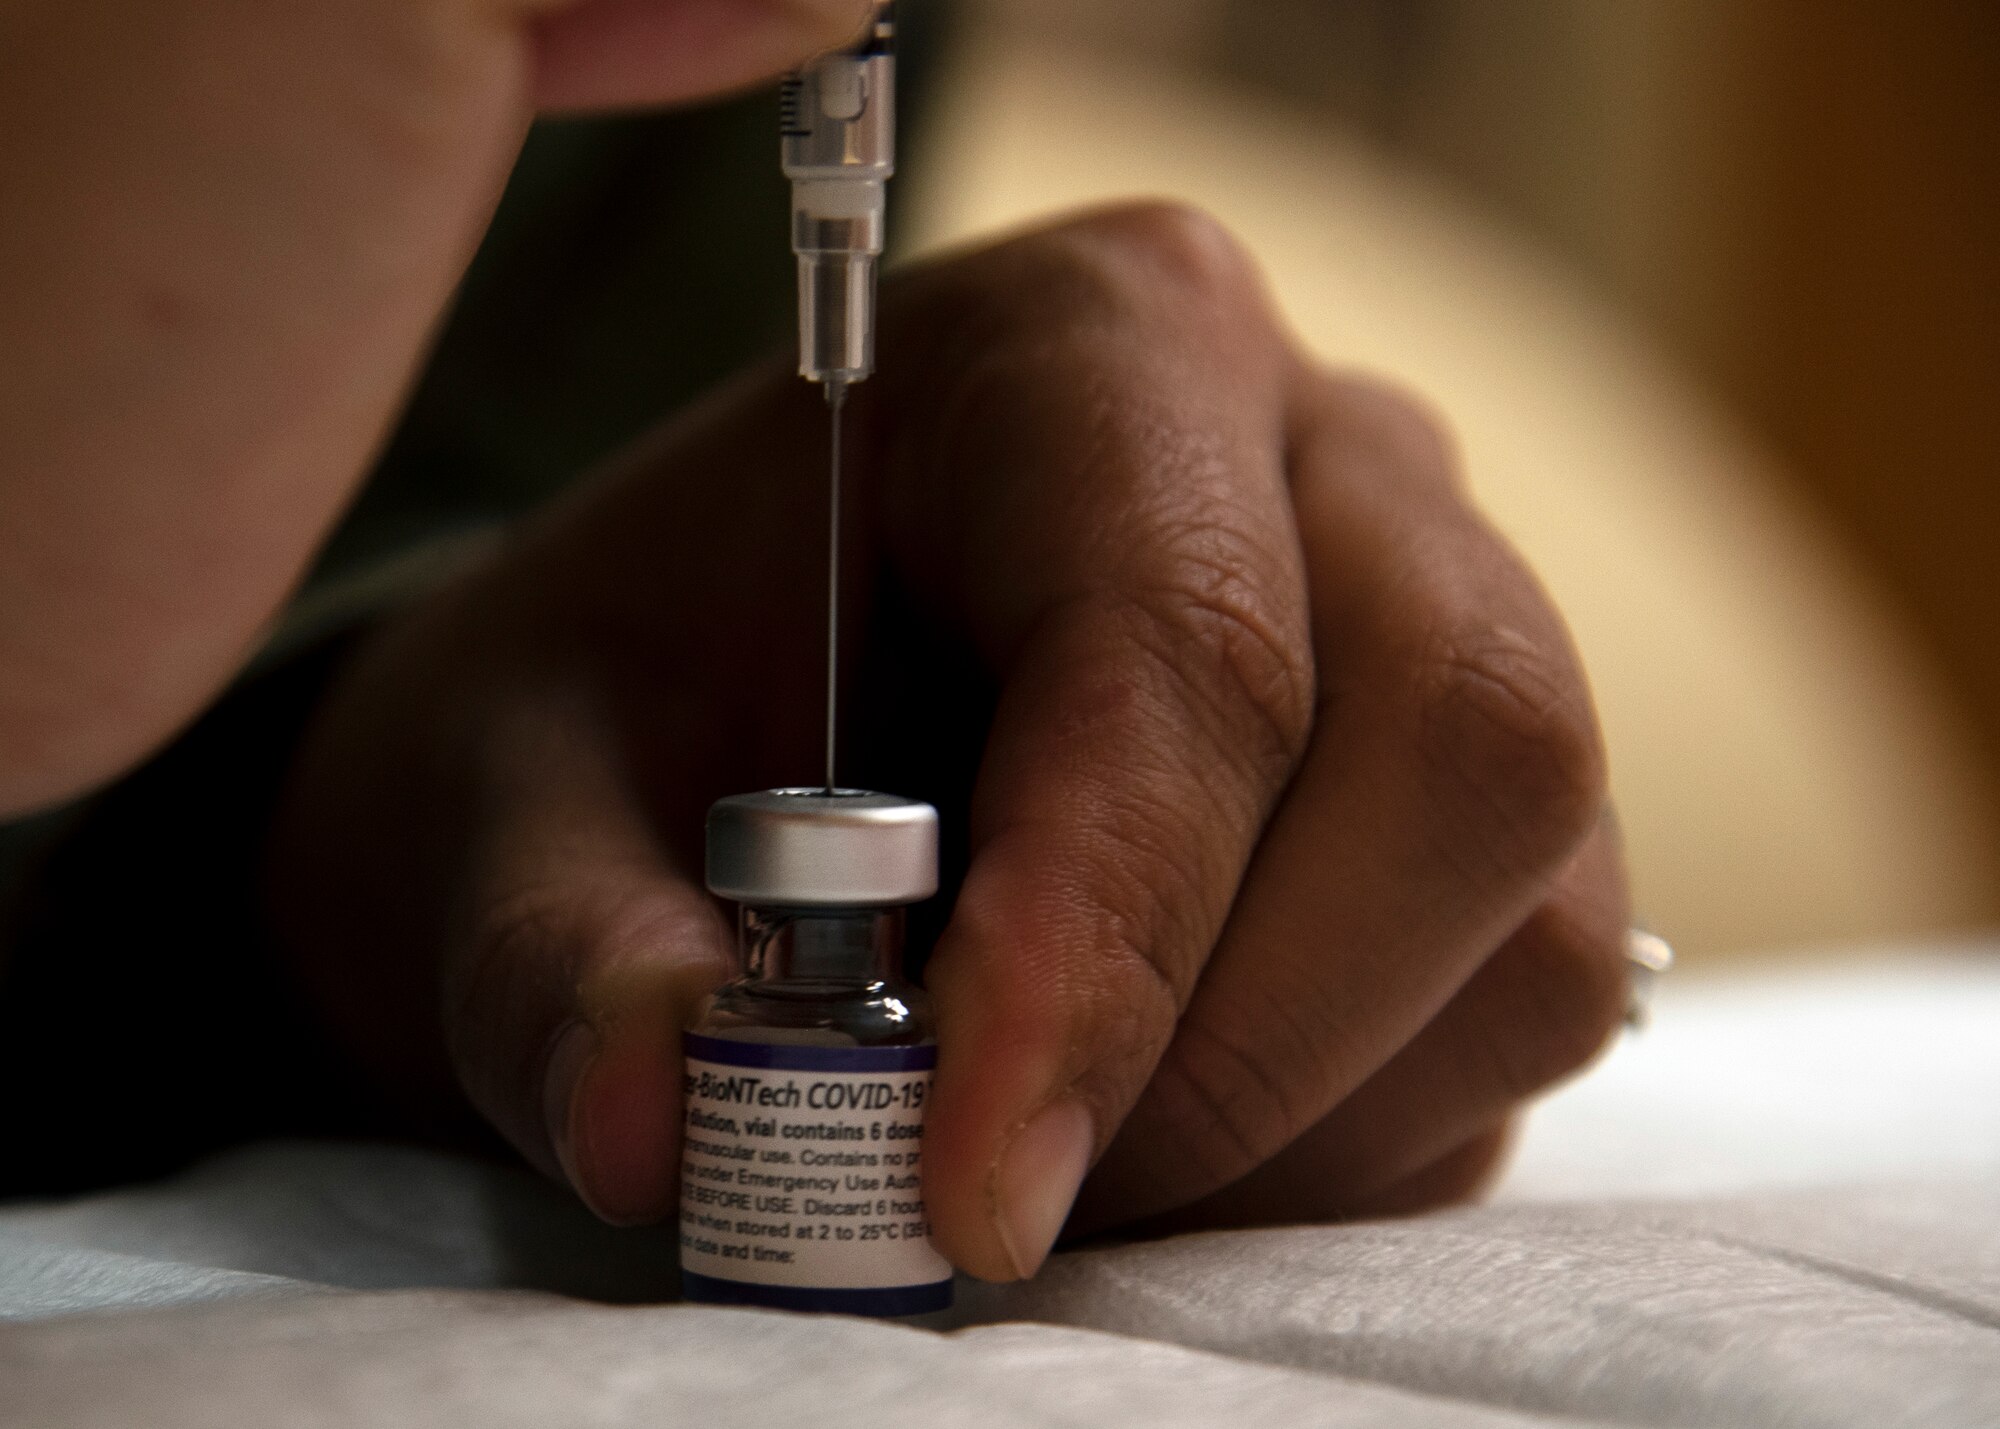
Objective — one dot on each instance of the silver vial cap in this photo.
(807, 848)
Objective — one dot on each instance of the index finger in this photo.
(595, 54)
(1099, 502)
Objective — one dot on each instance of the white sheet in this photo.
(1817, 1072)
(1646, 1264)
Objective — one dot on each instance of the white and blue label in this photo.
(802, 1178)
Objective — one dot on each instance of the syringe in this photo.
(839, 151)
(839, 125)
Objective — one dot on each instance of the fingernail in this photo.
(570, 1056)
(1040, 1174)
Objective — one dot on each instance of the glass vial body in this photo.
(829, 977)
(807, 1076)
(805, 1092)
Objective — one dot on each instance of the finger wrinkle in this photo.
(1128, 890)
(1303, 1023)
(1051, 976)
(1238, 1094)
(1168, 916)
(1227, 656)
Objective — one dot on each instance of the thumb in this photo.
(604, 53)
(582, 948)
(565, 1031)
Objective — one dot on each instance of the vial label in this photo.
(801, 1178)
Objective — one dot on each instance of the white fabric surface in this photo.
(1652, 1261)
(1817, 1072)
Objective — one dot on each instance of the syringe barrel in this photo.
(839, 150)
(836, 316)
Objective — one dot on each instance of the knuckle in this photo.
(522, 936)
(1568, 999)
(1403, 430)
(545, 950)
(1162, 240)
(1151, 266)
(1505, 725)
(483, 976)
(1092, 329)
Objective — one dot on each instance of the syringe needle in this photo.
(836, 398)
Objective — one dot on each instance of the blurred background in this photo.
(1707, 288)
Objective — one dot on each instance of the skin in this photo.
(1287, 881)
(247, 219)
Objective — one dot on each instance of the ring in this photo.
(1647, 955)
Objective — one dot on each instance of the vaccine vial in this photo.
(806, 1078)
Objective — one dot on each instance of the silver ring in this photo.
(1647, 956)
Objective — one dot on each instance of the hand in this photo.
(1288, 876)
(230, 227)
